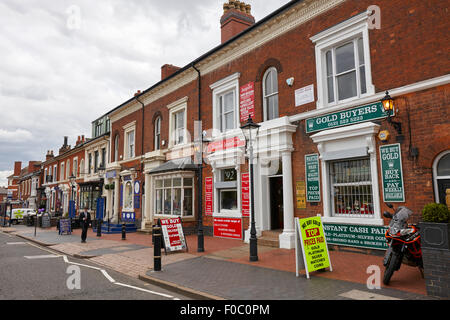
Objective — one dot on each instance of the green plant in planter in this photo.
(435, 212)
(111, 186)
(107, 186)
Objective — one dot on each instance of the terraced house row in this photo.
(352, 99)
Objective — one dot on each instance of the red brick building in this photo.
(58, 186)
(312, 74)
(29, 183)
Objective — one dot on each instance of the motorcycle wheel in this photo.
(394, 262)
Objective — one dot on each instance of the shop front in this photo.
(171, 191)
(89, 193)
(351, 174)
(227, 189)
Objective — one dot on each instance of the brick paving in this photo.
(224, 269)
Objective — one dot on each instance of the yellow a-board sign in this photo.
(311, 245)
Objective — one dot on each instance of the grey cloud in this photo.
(56, 80)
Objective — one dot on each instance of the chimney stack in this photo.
(236, 18)
(65, 147)
(31, 165)
(17, 168)
(167, 70)
(49, 155)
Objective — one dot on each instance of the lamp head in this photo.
(388, 103)
(250, 129)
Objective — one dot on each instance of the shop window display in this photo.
(351, 185)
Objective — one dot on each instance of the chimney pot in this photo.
(235, 19)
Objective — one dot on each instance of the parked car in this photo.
(19, 214)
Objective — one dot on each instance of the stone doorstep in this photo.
(270, 238)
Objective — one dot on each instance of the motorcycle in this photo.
(403, 241)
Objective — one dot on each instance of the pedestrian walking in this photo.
(85, 221)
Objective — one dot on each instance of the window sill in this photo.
(228, 214)
(358, 221)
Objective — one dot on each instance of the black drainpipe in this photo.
(142, 154)
(200, 238)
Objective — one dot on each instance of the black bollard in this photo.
(99, 227)
(124, 232)
(157, 249)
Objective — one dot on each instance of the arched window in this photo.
(270, 94)
(157, 133)
(116, 148)
(441, 173)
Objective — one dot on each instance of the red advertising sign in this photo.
(228, 228)
(225, 144)
(173, 234)
(247, 98)
(245, 194)
(208, 196)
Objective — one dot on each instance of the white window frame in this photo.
(75, 167)
(219, 186)
(219, 88)
(435, 175)
(349, 185)
(181, 176)
(174, 108)
(157, 134)
(345, 141)
(116, 148)
(67, 169)
(347, 31)
(130, 127)
(82, 168)
(265, 96)
(61, 171)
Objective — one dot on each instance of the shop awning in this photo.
(183, 164)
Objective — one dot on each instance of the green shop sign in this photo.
(312, 178)
(392, 173)
(370, 237)
(342, 118)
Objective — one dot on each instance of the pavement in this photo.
(223, 271)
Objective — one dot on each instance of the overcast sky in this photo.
(65, 63)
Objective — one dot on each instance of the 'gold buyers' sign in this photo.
(312, 243)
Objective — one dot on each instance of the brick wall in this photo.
(437, 272)
(411, 46)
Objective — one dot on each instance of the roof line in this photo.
(210, 52)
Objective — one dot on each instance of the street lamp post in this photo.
(199, 161)
(250, 130)
(101, 170)
(72, 179)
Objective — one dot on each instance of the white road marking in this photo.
(15, 243)
(111, 279)
(144, 290)
(107, 276)
(364, 295)
(48, 256)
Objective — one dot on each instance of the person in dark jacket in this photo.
(85, 221)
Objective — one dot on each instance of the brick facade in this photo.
(408, 57)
